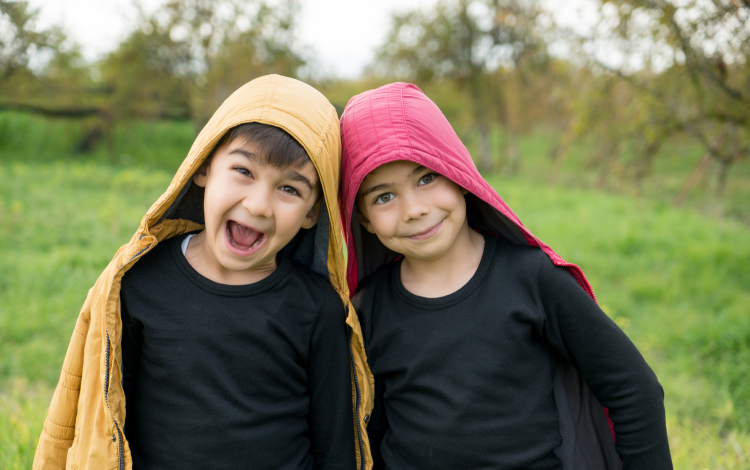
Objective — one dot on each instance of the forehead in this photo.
(254, 153)
(393, 172)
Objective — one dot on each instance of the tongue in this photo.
(242, 235)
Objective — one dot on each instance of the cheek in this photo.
(289, 217)
(220, 195)
(385, 220)
(450, 199)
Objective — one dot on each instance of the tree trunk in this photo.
(610, 153)
(514, 157)
(644, 164)
(693, 179)
(485, 162)
(721, 185)
(560, 153)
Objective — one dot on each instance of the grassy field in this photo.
(674, 280)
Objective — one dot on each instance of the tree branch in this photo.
(51, 112)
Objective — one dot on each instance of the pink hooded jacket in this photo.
(398, 122)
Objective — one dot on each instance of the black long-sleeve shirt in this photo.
(465, 381)
(218, 376)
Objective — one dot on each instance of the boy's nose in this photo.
(258, 203)
(414, 207)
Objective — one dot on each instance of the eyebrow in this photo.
(249, 155)
(388, 185)
(293, 175)
(377, 188)
(415, 171)
(297, 176)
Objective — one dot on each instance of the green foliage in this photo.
(189, 55)
(492, 53)
(180, 63)
(20, 37)
(26, 138)
(684, 71)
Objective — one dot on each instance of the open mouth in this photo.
(427, 233)
(243, 240)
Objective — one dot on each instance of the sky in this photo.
(342, 35)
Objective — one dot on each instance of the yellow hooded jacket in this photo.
(83, 429)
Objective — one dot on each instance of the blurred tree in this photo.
(40, 70)
(688, 63)
(485, 47)
(183, 60)
(19, 37)
(180, 62)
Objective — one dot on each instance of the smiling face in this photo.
(412, 210)
(252, 210)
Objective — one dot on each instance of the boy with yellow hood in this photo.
(221, 335)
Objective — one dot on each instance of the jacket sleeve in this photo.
(378, 425)
(614, 369)
(59, 427)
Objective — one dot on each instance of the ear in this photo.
(312, 217)
(201, 176)
(365, 222)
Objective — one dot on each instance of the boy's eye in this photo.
(290, 190)
(244, 171)
(383, 198)
(427, 179)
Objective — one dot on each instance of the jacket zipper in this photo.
(356, 402)
(121, 455)
(106, 390)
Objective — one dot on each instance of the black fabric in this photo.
(188, 204)
(466, 380)
(371, 253)
(217, 376)
(310, 246)
(484, 217)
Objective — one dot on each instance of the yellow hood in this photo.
(84, 425)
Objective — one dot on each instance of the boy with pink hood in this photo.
(488, 349)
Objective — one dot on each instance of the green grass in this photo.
(31, 139)
(675, 281)
(60, 224)
(672, 166)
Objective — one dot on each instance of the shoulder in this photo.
(375, 282)
(524, 260)
(153, 262)
(370, 295)
(530, 266)
(536, 269)
(312, 291)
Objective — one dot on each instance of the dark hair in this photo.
(273, 144)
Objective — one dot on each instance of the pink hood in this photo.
(398, 122)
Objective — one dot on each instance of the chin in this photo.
(425, 252)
